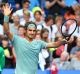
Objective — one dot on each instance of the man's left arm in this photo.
(56, 44)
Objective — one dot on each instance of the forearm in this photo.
(54, 44)
(50, 4)
(61, 3)
(6, 27)
(6, 24)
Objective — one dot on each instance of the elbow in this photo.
(47, 6)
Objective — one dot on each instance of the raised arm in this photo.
(7, 11)
(50, 4)
(61, 3)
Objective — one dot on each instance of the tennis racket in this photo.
(70, 26)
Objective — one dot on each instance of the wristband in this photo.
(6, 19)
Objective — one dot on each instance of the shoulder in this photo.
(1, 50)
(18, 12)
(74, 48)
(17, 38)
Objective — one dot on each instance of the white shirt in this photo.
(51, 34)
(77, 31)
(1, 30)
(20, 14)
(56, 32)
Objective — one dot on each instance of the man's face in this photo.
(16, 19)
(50, 22)
(31, 33)
(26, 5)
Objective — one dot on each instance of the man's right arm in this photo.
(7, 11)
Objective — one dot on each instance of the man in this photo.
(2, 59)
(25, 6)
(75, 49)
(55, 7)
(27, 49)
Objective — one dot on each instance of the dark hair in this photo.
(21, 27)
(5, 38)
(28, 23)
(70, 10)
(49, 18)
(24, 1)
(43, 31)
(38, 12)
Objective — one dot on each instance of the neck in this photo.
(16, 24)
(38, 20)
(25, 8)
(4, 46)
(47, 25)
(29, 39)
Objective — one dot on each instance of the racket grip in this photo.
(64, 41)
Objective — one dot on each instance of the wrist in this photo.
(6, 19)
(64, 41)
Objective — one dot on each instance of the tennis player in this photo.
(27, 49)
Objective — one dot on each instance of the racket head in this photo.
(70, 26)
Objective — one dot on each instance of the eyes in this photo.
(30, 30)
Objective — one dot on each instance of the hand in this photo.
(7, 10)
(64, 41)
(55, 0)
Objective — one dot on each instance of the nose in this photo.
(32, 32)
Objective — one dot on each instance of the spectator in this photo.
(57, 26)
(44, 61)
(26, 17)
(75, 61)
(44, 34)
(21, 31)
(2, 59)
(77, 13)
(17, 7)
(74, 49)
(38, 19)
(25, 6)
(62, 62)
(49, 21)
(19, 2)
(8, 53)
(16, 23)
(54, 6)
(38, 37)
(70, 13)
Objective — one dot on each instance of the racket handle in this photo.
(65, 48)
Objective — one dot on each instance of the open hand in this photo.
(7, 10)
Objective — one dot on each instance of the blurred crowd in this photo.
(48, 15)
